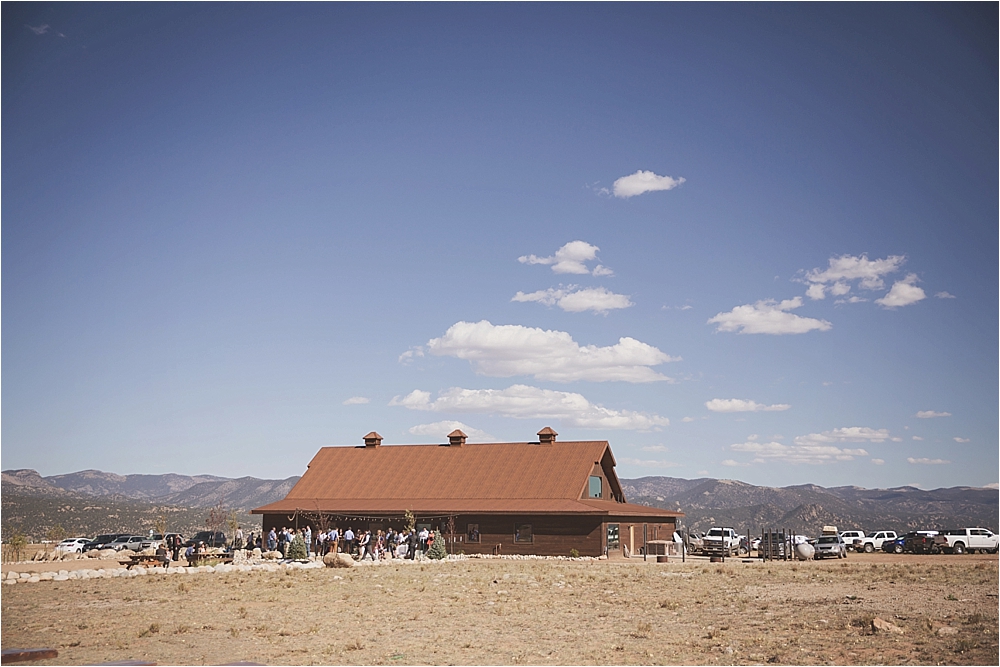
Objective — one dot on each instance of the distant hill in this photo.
(808, 507)
(91, 501)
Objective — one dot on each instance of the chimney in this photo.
(456, 438)
(546, 436)
(373, 439)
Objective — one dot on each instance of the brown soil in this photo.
(526, 612)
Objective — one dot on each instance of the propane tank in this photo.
(804, 551)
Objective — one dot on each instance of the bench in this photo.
(198, 559)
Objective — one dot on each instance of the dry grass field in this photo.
(527, 612)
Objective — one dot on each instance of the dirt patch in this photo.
(526, 612)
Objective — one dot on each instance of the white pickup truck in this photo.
(722, 542)
(970, 540)
(873, 541)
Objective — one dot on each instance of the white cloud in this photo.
(571, 258)
(643, 181)
(443, 428)
(994, 485)
(740, 405)
(356, 400)
(945, 295)
(650, 464)
(930, 414)
(927, 462)
(575, 300)
(816, 291)
(411, 354)
(878, 462)
(734, 464)
(656, 448)
(903, 293)
(853, 299)
(961, 439)
(509, 350)
(847, 434)
(768, 317)
(917, 437)
(40, 30)
(688, 419)
(523, 402)
(813, 454)
(847, 267)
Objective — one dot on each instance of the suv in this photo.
(210, 538)
(875, 540)
(830, 546)
(849, 537)
(132, 542)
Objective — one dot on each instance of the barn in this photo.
(544, 497)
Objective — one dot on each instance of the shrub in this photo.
(574, 553)
(297, 549)
(437, 550)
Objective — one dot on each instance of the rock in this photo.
(880, 625)
(338, 560)
(947, 630)
(108, 553)
(148, 552)
(272, 555)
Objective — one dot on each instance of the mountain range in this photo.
(92, 501)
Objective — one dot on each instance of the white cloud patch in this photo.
(356, 400)
(509, 350)
(571, 258)
(931, 414)
(847, 434)
(411, 354)
(643, 181)
(853, 299)
(40, 30)
(740, 405)
(649, 464)
(927, 462)
(813, 454)
(945, 295)
(730, 463)
(994, 485)
(917, 438)
(524, 402)
(843, 269)
(960, 439)
(443, 428)
(687, 419)
(768, 317)
(903, 293)
(878, 462)
(656, 448)
(574, 299)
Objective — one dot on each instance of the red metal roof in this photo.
(518, 477)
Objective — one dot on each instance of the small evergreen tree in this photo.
(297, 549)
(437, 550)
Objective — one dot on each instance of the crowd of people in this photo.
(364, 544)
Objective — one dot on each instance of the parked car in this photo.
(133, 542)
(893, 546)
(210, 538)
(971, 539)
(921, 542)
(876, 540)
(73, 545)
(102, 541)
(152, 541)
(850, 537)
(830, 546)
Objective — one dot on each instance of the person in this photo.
(161, 556)
(422, 536)
(282, 540)
(364, 544)
(238, 539)
(411, 544)
(175, 543)
(308, 537)
(334, 539)
(430, 541)
(272, 540)
(349, 541)
(189, 553)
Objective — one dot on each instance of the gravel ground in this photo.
(940, 610)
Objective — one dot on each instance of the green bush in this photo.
(437, 550)
(297, 549)
(573, 553)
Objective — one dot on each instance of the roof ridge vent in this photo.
(456, 438)
(547, 436)
(373, 439)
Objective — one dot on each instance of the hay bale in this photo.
(333, 559)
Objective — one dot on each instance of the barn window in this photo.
(472, 532)
(612, 536)
(522, 533)
(595, 486)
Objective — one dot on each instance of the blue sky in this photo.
(743, 241)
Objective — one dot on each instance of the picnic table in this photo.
(144, 560)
